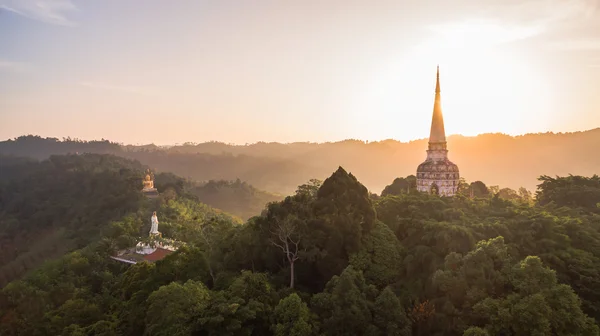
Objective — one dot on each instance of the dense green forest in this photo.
(60, 204)
(331, 259)
(497, 159)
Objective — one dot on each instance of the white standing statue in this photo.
(154, 227)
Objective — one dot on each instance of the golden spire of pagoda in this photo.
(437, 133)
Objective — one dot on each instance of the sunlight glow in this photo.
(486, 84)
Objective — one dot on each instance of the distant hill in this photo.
(498, 159)
(235, 197)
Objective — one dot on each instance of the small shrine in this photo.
(148, 190)
(151, 249)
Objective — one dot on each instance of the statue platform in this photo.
(145, 252)
(156, 235)
(152, 249)
(150, 193)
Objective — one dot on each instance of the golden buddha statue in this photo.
(148, 182)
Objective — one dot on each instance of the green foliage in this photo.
(62, 293)
(571, 191)
(350, 306)
(183, 218)
(524, 299)
(254, 286)
(379, 256)
(539, 305)
(344, 306)
(170, 183)
(173, 308)
(389, 316)
(525, 196)
(342, 194)
(346, 216)
(243, 309)
(508, 194)
(74, 312)
(329, 225)
(401, 185)
(292, 317)
(61, 204)
(440, 233)
(310, 189)
(479, 189)
(475, 331)
(465, 281)
(226, 315)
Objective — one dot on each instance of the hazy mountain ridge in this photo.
(498, 159)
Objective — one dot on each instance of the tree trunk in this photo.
(292, 275)
(212, 274)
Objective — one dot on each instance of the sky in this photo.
(168, 72)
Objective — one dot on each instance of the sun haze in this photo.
(170, 72)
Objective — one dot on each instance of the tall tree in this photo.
(401, 185)
(389, 316)
(571, 191)
(286, 236)
(478, 189)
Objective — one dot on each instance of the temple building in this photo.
(148, 188)
(152, 249)
(437, 174)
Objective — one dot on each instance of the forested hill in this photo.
(236, 197)
(331, 259)
(64, 203)
(497, 159)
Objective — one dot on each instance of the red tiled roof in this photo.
(159, 254)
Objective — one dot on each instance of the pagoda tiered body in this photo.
(437, 174)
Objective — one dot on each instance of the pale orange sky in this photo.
(171, 72)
